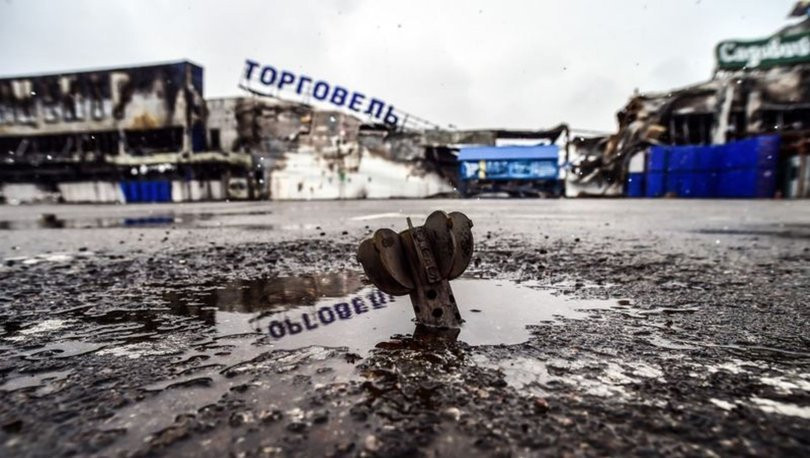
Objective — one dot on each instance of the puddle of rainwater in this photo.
(61, 350)
(299, 319)
(340, 310)
(53, 221)
(167, 400)
(93, 223)
(268, 294)
(40, 380)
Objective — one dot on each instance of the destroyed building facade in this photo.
(115, 135)
(146, 134)
(749, 95)
(302, 152)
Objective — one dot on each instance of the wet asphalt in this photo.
(621, 327)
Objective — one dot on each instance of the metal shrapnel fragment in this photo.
(420, 261)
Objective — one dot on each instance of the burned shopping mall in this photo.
(107, 136)
(146, 134)
(760, 89)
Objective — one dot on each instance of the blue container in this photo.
(739, 155)
(156, 191)
(681, 159)
(635, 185)
(687, 185)
(674, 159)
(747, 183)
(704, 184)
(131, 191)
(655, 184)
(165, 194)
(765, 186)
(657, 159)
(673, 183)
(680, 184)
(758, 152)
(140, 191)
(147, 191)
(708, 158)
(768, 156)
(733, 184)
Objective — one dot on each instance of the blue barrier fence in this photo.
(745, 168)
(147, 191)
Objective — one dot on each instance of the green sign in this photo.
(768, 52)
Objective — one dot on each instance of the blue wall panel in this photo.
(147, 191)
(681, 159)
(758, 152)
(655, 184)
(704, 184)
(657, 159)
(744, 168)
(635, 185)
(747, 183)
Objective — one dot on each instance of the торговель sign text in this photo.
(267, 76)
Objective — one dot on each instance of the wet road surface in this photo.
(591, 327)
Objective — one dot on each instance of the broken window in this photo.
(214, 142)
(691, 129)
(786, 120)
(737, 125)
(164, 140)
(105, 142)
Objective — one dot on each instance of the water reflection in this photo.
(54, 221)
(335, 310)
(340, 310)
(267, 294)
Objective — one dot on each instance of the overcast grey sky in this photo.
(521, 64)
